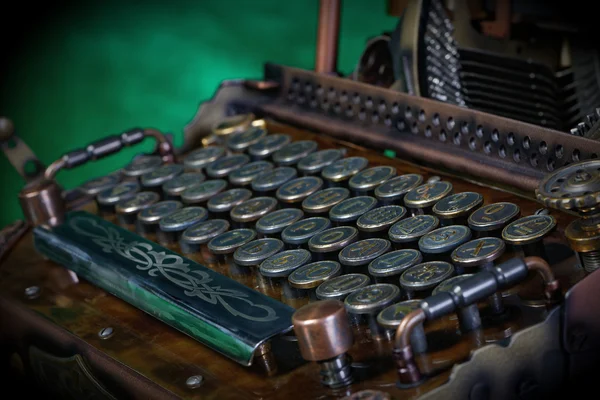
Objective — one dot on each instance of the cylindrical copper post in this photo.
(327, 36)
(42, 203)
(324, 335)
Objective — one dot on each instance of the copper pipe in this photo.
(551, 285)
(327, 36)
(165, 149)
(53, 169)
(408, 371)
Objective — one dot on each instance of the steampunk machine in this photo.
(425, 227)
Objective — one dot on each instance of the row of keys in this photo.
(350, 228)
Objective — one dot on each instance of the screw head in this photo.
(194, 381)
(32, 292)
(105, 333)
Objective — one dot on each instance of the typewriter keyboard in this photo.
(349, 241)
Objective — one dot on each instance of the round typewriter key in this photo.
(142, 165)
(307, 278)
(277, 268)
(393, 190)
(253, 253)
(293, 152)
(250, 211)
(323, 200)
(172, 226)
(365, 182)
(341, 171)
(221, 204)
(272, 224)
(245, 175)
(201, 193)
(439, 243)
(364, 304)
(491, 219)
(478, 252)
(148, 218)
(299, 233)
(268, 145)
(200, 158)
(239, 142)
(97, 185)
(108, 199)
(328, 243)
(233, 124)
(268, 182)
(468, 317)
(422, 198)
(195, 238)
(227, 243)
(481, 253)
(315, 162)
(282, 264)
(419, 280)
(349, 210)
(378, 221)
(407, 232)
(176, 186)
(155, 179)
(225, 165)
(455, 209)
(388, 267)
(357, 255)
(528, 233)
(390, 318)
(127, 210)
(295, 191)
(339, 287)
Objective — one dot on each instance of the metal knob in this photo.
(324, 335)
(576, 188)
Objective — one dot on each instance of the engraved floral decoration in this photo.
(194, 281)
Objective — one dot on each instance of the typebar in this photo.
(213, 309)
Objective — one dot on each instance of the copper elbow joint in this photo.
(552, 289)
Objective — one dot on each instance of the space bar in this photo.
(213, 309)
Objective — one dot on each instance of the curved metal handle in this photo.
(469, 291)
(110, 145)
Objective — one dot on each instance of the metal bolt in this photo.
(194, 381)
(434, 179)
(32, 292)
(105, 333)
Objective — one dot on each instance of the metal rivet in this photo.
(434, 179)
(32, 292)
(194, 381)
(105, 333)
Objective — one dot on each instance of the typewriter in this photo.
(426, 227)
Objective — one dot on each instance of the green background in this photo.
(96, 69)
